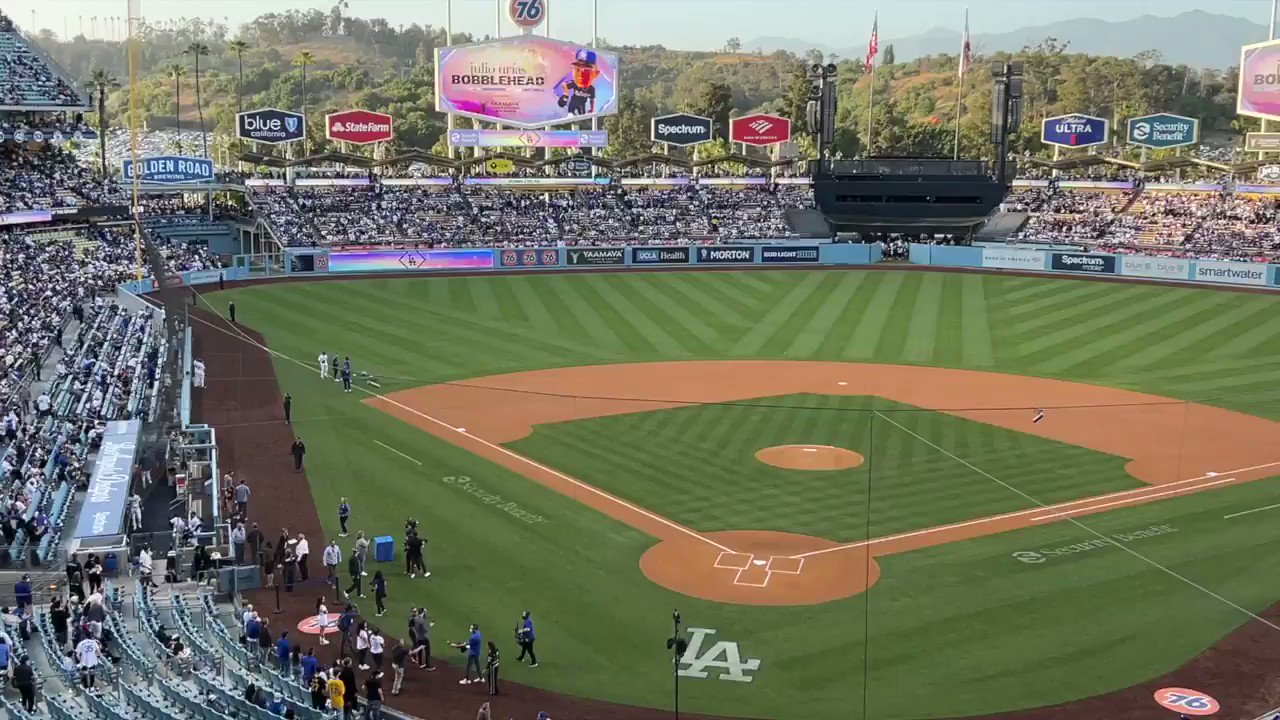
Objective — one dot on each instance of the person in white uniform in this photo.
(324, 365)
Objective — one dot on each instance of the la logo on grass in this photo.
(723, 657)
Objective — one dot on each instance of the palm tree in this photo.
(101, 81)
(303, 59)
(177, 71)
(239, 47)
(198, 50)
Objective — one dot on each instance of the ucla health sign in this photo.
(1074, 130)
(169, 170)
(271, 126)
(1163, 131)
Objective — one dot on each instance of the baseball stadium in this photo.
(430, 364)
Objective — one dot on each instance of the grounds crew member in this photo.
(288, 408)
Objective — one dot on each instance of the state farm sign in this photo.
(359, 127)
(760, 130)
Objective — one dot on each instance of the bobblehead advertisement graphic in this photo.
(526, 81)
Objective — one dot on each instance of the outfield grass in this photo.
(956, 629)
(697, 466)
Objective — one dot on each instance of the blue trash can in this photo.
(384, 548)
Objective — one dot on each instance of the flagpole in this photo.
(964, 57)
(872, 51)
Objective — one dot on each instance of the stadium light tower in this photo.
(820, 111)
(1006, 110)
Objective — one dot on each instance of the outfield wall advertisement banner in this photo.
(714, 254)
(596, 256)
(529, 257)
(994, 257)
(1258, 94)
(1236, 273)
(410, 260)
(1155, 267)
(786, 254)
(526, 81)
(1076, 262)
(659, 255)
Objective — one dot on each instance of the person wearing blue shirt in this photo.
(22, 591)
(472, 648)
(346, 375)
(310, 663)
(525, 635)
(283, 650)
(5, 658)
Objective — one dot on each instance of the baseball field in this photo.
(870, 494)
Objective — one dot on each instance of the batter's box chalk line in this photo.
(754, 572)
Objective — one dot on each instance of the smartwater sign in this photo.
(1236, 273)
(1163, 131)
(726, 254)
(169, 170)
(271, 126)
(1075, 262)
(1155, 267)
(1012, 259)
(1074, 130)
(103, 513)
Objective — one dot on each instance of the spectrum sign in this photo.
(760, 130)
(359, 127)
(526, 81)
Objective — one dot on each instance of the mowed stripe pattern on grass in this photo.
(1183, 342)
(697, 465)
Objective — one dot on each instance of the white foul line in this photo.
(406, 457)
(1092, 508)
(1247, 512)
(486, 443)
(1082, 526)
(1142, 491)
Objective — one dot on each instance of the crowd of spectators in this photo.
(477, 215)
(25, 78)
(48, 178)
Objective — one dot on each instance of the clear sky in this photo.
(684, 24)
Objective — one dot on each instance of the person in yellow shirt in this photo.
(336, 692)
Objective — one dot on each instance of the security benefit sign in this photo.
(1074, 130)
(1163, 131)
(526, 81)
(169, 170)
(659, 255)
(722, 254)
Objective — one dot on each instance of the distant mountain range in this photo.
(1196, 38)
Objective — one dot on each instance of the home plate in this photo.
(759, 562)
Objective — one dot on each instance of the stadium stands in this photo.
(26, 79)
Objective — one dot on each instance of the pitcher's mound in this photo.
(809, 457)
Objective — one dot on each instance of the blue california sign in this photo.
(170, 170)
(1162, 131)
(1074, 130)
(270, 125)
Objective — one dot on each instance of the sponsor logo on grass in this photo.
(659, 256)
(723, 658)
(1035, 557)
(497, 501)
(1236, 273)
(1074, 262)
(1155, 267)
(596, 256)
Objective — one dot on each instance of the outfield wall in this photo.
(1144, 267)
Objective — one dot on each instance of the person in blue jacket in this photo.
(472, 648)
(283, 650)
(525, 635)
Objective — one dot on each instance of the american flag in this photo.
(873, 47)
(966, 50)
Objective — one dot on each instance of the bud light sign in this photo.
(169, 170)
(1074, 131)
(271, 126)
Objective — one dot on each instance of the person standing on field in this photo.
(298, 450)
(331, 556)
(353, 567)
(362, 550)
(324, 364)
(526, 636)
(288, 408)
(231, 312)
(344, 514)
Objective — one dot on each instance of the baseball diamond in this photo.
(837, 477)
